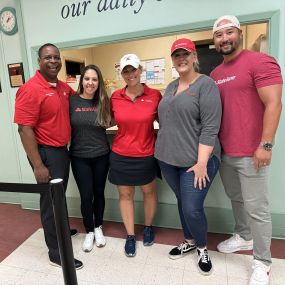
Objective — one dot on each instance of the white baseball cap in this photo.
(129, 59)
(232, 22)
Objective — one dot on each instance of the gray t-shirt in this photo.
(87, 138)
(186, 119)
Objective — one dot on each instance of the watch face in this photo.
(267, 146)
(8, 21)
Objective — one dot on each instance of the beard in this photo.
(228, 51)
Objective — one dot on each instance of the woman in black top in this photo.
(89, 150)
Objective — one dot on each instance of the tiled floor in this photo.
(28, 264)
(106, 266)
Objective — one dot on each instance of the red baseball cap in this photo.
(183, 44)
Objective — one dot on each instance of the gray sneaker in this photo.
(235, 243)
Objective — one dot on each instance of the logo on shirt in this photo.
(225, 80)
(87, 109)
(146, 100)
(64, 94)
(191, 93)
(50, 94)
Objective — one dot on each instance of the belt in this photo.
(50, 146)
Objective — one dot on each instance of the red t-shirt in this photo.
(135, 136)
(45, 108)
(238, 81)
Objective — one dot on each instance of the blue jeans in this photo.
(190, 199)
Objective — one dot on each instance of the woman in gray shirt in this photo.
(187, 147)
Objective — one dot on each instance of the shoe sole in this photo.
(181, 255)
(100, 245)
(86, 250)
(57, 265)
(148, 243)
(54, 264)
(130, 255)
(74, 235)
(205, 273)
(235, 250)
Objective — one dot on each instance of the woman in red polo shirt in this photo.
(132, 163)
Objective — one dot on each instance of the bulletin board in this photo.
(153, 71)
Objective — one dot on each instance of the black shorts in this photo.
(132, 171)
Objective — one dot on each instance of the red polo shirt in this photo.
(45, 108)
(135, 136)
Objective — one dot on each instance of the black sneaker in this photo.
(73, 232)
(148, 236)
(130, 246)
(56, 262)
(204, 262)
(181, 250)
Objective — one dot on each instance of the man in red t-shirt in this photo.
(42, 115)
(250, 85)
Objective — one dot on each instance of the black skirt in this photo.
(132, 171)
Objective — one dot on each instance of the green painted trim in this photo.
(220, 220)
(10, 198)
(22, 37)
(30, 201)
(274, 34)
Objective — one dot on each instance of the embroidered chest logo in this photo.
(50, 94)
(189, 93)
(85, 109)
(146, 100)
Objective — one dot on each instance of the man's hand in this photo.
(41, 174)
(261, 158)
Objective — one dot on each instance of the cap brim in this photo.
(181, 48)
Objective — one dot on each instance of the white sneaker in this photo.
(88, 242)
(235, 243)
(260, 274)
(99, 237)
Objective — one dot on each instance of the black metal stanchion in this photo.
(63, 232)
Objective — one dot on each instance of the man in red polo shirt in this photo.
(42, 115)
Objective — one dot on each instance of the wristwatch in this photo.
(266, 146)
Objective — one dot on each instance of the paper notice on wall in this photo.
(174, 73)
(153, 71)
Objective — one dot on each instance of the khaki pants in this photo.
(247, 189)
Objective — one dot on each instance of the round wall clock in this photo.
(8, 21)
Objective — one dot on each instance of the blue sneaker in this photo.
(148, 236)
(130, 246)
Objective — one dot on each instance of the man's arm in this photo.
(31, 147)
(271, 98)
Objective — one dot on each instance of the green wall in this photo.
(154, 18)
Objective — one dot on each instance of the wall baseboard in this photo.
(220, 220)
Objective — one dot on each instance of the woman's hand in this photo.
(201, 175)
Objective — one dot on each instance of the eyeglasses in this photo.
(51, 57)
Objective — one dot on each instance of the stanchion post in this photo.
(63, 232)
